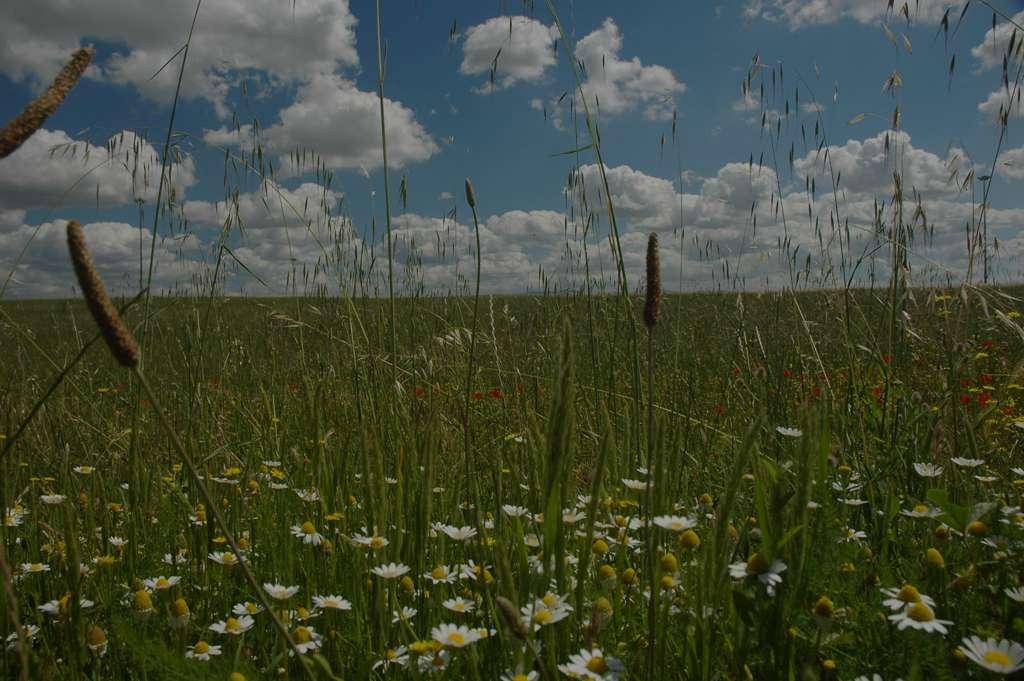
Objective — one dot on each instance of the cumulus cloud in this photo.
(989, 52)
(341, 123)
(281, 41)
(1011, 164)
(619, 85)
(799, 14)
(45, 270)
(53, 170)
(517, 48)
(1000, 101)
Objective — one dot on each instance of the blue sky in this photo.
(307, 74)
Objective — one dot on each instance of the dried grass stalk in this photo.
(652, 302)
(119, 339)
(31, 119)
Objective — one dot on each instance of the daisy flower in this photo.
(247, 608)
(459, 605)
(463, 534)
(306, 639)
(592, 664)
(390, 570)
(786, 431)
(919, 616)
(433, 661)
(118, 542)
(403, 615)
(84, 470)
(758, 566)
(967, 463)
(442, 574)
(280, 592)
(1001, 657)
(1015, 593)
(29, 630)
(370, 542)
(307, 533)
(14, 516)
(331, 603)
(637, 485)
(310, 496)
(922, 511)
(233, 626)
(161, 583)
(393, 656)
(59, 607)
(928, 470)
(520, 676)
(675, 523)
(31, 568)
(540, 615)
(897, 599)
(224, 558)
(454, 636)
(53, 499)
(515, 511)
(202, 651)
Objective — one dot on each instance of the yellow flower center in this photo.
(550, 599)
(308, 528)
(456, 639)
(179, 608)
(597, 665)
(921, 508)
(909, 594)
(62, 604)
(376, 542)
(757, 564)
(439, 572)
(252, 608)
(302, 635)
(232, 624)
(997, 658)
(920, 612)
(95, 636)
(163, 583)
(201, 648)
(229, 557)
(542, 616)
(391, 654)
(142, 601)
(520, 677)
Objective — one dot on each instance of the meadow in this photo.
(376, 479)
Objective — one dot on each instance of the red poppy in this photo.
(985, 379)
(418, 392)
(984, 399)
(966, 382)
(478, 395)
(887, 359)
(987, 344)
(719, 409)
(786, 373)
(965, 399)
(496, 393)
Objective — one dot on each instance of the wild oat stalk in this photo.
(123, 347)
(22, 126)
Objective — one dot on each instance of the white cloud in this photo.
(1011, 164)
(284, 41)
(45, 271)
(989, 52)
(526, 49)
(342, 124)
(79, 173)
(805, 13)
(1001, 100)
(619, 85)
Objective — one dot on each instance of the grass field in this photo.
(600, 482)
(802, 469)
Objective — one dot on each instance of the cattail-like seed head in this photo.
(470, 194)
(511, 616)
(653, 300)
(14, 134)
(119, 339)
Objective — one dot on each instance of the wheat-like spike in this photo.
(119, 339)
(653, 300)
(513, 621)
(20, 128)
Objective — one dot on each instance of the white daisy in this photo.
(307, 533)
(675, 523)
(202, 651)
(161, 583)
(233, 626)
(280, 592)
(247, 608)
(919, 616)
(788, 432)
(331, 603)
(459, 605)
(454, 636)
(1001, 657)
(53, 499)
(928, 470)
(967, 463)
(592, 664)
(390, 570)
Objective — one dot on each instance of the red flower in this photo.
(418, 391)
(984, 399)
(496, 393)
(987, 344)
(815, 391)
(719, 409)
(965, 399)
(966, 382)
(985, 379)
(887, 359)
(786, 373)
(478, 395)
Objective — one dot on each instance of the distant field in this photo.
(809, 451)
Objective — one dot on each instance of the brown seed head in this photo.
(653, 300)
(119, 338)
(511, 616)
(470, 194)
(14, 134)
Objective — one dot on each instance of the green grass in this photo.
(307, 383)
